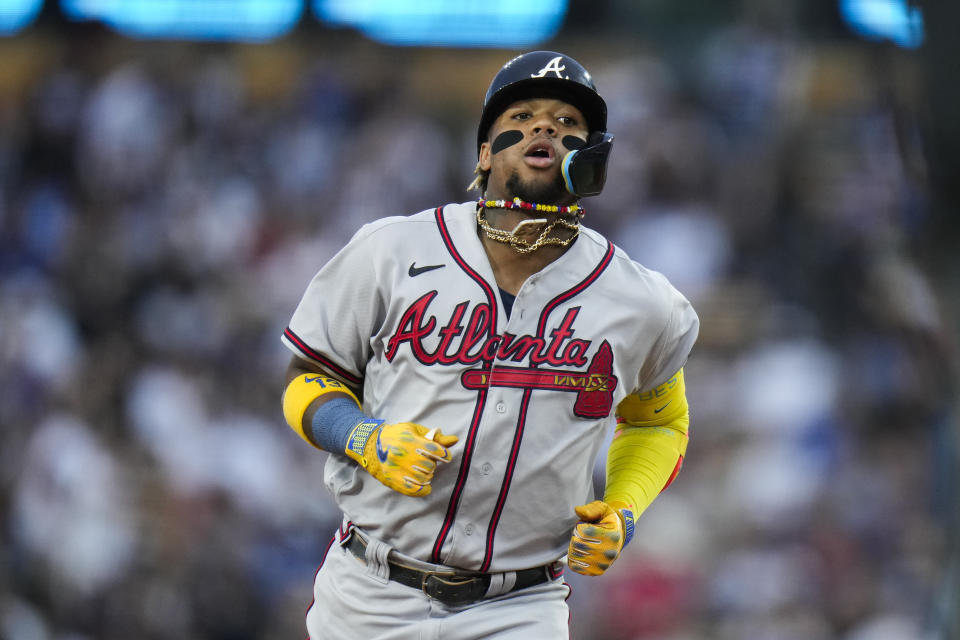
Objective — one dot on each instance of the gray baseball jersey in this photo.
(410, 312)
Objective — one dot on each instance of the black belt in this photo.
(450, 587)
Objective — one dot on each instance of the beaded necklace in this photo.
(517, 203)
(514, 239)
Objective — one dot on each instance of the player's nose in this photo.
(543, 124)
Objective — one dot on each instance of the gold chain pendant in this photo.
(521, 244)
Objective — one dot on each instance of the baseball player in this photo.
(462, 365)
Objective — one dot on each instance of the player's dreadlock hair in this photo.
(480, 181)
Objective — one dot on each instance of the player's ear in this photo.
(483, 162)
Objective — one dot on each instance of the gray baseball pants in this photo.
(355, 600)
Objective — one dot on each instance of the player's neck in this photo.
(511, 268)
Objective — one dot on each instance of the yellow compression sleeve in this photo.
(648, 445)
(300, 394)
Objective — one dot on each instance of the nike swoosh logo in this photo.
(415, 270)
(662, 408)
(381, 453)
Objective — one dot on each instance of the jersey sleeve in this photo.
(674, 343)
(341, 308)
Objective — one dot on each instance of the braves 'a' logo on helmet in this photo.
(553, 66)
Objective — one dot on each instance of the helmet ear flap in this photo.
(585, 169)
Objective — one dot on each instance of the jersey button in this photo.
(486, 468)
(468, 529)
(501, 408)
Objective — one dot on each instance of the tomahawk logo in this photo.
(553, 66)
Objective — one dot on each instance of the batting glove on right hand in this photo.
(402, 456)
(599, 537)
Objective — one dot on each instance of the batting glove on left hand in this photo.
(599, 537)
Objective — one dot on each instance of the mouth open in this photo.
(539, 154)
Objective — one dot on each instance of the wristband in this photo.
(300, 394)
(625, 510)
(357, 439)
(628, 525)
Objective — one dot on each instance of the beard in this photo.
(539, 192)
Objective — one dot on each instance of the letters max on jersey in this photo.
(468, 341)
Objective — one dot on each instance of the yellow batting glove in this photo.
(402, 456)
(599, 537)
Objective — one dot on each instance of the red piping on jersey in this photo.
(521, 422)
(586, 282)
(468, 447)
(313, 354)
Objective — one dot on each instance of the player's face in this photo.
(525, 149)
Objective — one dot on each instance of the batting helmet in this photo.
(542, 74)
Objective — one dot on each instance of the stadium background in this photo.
(163, 203)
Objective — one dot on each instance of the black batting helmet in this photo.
(542, 74)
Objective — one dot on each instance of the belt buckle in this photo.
(452, 589)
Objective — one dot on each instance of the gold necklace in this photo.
(522, 245)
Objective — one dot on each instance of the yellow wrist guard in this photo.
(300, 394)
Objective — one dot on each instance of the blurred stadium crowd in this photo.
(162, 207)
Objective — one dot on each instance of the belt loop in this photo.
(501, 583)
(344, 533)
(554, 570)
(376, 557)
